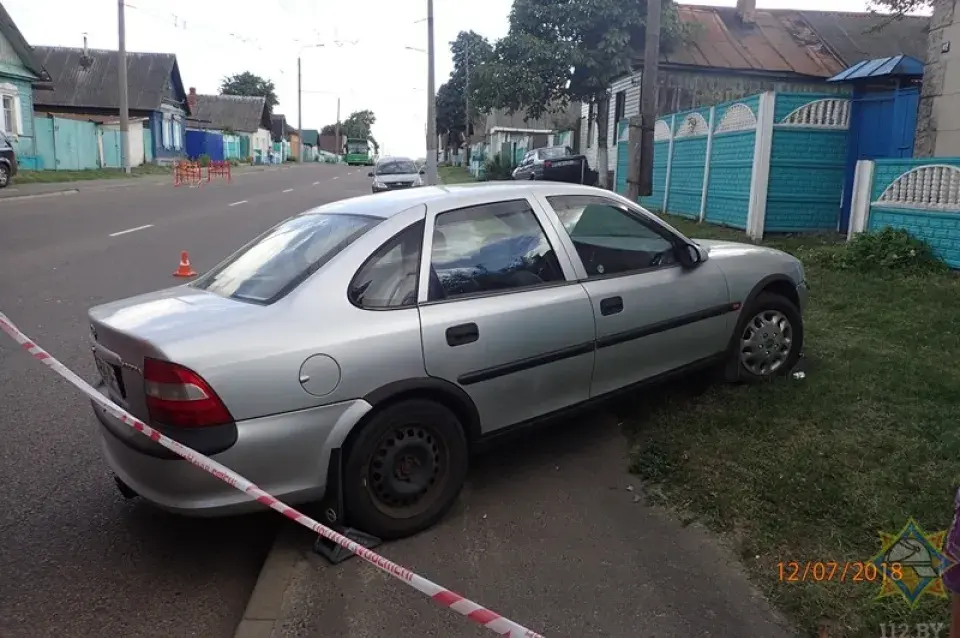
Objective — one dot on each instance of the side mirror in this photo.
(690, 255)
(369, 174)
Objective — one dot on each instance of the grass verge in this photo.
(50, 177)
(454, 175)
(813, 469)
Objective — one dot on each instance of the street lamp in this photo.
(431, 100)
(300, 97)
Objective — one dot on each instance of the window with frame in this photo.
(609, 238)
(177, 134)
(591, 113)
(167, 132)
(620, 107)
(390, 276)
(9, 105)
(489, 248)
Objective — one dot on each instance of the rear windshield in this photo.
(554, 152)
(275, 263)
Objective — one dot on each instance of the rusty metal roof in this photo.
(788, 42)
(88, 79)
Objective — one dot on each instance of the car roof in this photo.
(394, 158)
(390, 203)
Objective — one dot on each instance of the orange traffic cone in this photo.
(185, 269)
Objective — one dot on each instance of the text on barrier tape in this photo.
(480, 615)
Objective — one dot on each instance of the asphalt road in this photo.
(76, 559)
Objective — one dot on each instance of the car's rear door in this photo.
(501, 312)
(653, 316)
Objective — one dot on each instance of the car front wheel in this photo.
(405, 469)
(768, 340)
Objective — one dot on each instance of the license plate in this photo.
(566, 163)
(111, 376)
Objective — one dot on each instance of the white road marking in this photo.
(288, 190)
(315, 183)
(334, 177)
(242, 201)
(131, 230)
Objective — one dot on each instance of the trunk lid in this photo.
(154, 325)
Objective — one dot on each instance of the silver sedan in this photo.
(402, 329)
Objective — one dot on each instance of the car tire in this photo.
(767, 342)
(4, 175)
(424, 447)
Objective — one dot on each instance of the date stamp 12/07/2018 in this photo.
(837, 571)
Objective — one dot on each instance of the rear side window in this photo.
(389, 278)
(275, 263)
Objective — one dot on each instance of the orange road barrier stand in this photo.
(185, 172)
(220, 169)
(185, 269)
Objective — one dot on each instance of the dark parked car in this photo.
(556, 164)
(8, 161)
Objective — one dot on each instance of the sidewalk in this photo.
(54, 189)
(547, 533)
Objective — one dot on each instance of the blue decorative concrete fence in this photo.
(769, 162)
(921, 196)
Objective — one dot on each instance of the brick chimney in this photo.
(192, 98)
(746, 10)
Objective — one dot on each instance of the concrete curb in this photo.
(67, 191)
(263, 610)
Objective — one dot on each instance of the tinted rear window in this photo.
(275, 263)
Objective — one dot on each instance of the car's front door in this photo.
(502, 314)
(652, 314)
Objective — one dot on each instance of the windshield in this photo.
(357, 147)
(553, 153)
(396, 167)
(275, 263)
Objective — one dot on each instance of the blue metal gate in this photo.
(883, 114)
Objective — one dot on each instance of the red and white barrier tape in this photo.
(444, 597)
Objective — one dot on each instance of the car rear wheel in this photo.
(768, 340)
(4, 175)
(405, 469)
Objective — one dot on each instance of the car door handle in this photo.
(462, 334)
(611, 306)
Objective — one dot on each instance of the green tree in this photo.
(562, 51)
(900, 8)
(247, 83)
(358, 125)
(471, 51)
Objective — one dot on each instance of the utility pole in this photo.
(338, 142)
(640, 174)
(299, 115)
(124, 104)
(431, 103)
(466, 100)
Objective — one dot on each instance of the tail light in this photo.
(180, 397)
(547, 164)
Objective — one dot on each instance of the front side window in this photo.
(275, 263)
(488, 248)
(389, 278)
(608, 238)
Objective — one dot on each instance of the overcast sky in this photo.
(364, 60)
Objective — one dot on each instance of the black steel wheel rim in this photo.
(407, 470)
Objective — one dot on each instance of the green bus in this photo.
(357, 151)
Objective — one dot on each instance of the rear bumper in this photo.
(286, 455)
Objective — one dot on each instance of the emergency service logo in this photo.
(912, 562)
